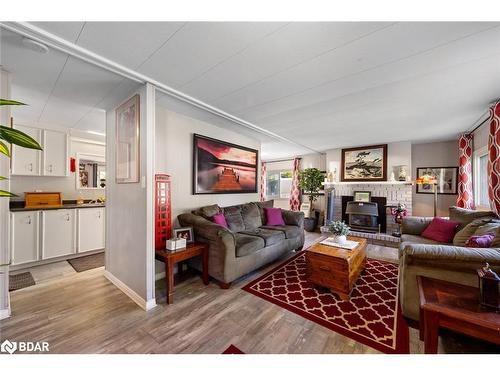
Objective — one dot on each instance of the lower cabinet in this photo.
(25, 237)
(91, 229)
(58, 233)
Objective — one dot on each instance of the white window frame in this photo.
(475, 175)
(279, 171)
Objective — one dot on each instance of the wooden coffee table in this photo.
(335, 268)
(455, 307)
(171, 257)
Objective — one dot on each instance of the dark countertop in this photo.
(18, 206)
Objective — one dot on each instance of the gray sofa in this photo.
(248, 243)
(444, 261)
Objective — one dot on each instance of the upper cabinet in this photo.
(55, 153)
(25, 161)
(52, 161)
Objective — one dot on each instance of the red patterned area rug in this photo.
(372, 315)
(232, 350)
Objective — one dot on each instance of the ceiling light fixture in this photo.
(35, 46)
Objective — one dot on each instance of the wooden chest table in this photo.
(335, 268)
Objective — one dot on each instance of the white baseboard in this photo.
(4, 313)
(146, 305)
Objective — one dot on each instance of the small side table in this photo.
(455, 307)
(171, 257)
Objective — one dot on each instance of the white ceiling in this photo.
(324, 85)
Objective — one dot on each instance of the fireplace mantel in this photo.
(398, 183)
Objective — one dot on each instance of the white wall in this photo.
(66, 185)
(174, 156)
(436, 154)
(4, 205)
(129, 211)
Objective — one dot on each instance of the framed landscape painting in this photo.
(223, 168)
(446, 177)
(127, 141)
(364, 163)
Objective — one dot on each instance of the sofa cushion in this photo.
(246, 244)
(234, 218)
(413, 238)
(291, 231)
(470, 229)
(465, 216)
(261, 205)
(251, 216)
(208, 211)
(271, 237)
(441, 230)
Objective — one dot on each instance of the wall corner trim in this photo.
(145, 305)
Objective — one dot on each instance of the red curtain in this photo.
(295, 191)
(494, 158)
(263, 174)
(465, 190)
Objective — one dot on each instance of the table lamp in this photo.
(428, 179)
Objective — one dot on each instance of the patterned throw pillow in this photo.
(483, 241)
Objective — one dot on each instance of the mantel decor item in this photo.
(127, 141)
(367, 163)
(362, 196)
(223, 168)
(489, 288)
(339, 230)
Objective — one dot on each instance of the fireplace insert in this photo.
(363, 216)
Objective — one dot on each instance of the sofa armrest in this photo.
(450, 257)
(293, 218)
(415, 224)
(204, 228)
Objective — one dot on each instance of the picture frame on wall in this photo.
(446, 177)
(127, 168)
(221, 167)
(362, 196)
(368, 163)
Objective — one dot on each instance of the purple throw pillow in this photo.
(220, 220)
(274, 216)
(484, 240)
(441, 230)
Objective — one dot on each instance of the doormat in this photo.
(20, 281)
(87, 262)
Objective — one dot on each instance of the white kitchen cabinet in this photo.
(55, 153)
(91, 229)
(24, 237)
(25, 161)
(58, 233)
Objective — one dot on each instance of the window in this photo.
(278, 184)
(481, 197)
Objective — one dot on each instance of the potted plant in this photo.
(339, 230)
(311, 182)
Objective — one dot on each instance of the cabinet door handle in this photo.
(30, 167)
(29, 220)
(99, 215)
(67, 217)
(50, 168)
(324, 268)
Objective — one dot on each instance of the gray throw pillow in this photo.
(261, 205)
(208, 211)
(465, 216)
(469, 230)
(234, 218)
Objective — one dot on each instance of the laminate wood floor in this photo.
(85, 313)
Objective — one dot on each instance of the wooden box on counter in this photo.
(43, 200)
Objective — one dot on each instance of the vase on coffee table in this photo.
(340, 239)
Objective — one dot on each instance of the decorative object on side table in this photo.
(339, 230)
(399, 212)
(311, 181)
(127, 168)
(489, 288)
(185, 233)
(367, 163)
(175, 244)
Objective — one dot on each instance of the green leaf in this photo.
(4, 149)
(10, 102)
(18, 138)
(3, 178)
(4, 193)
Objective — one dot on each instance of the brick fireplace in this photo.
(393, 192)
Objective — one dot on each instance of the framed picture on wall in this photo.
(223, 168)
(367, 163)
(127, 168)
(447, 180)
(362, 196)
